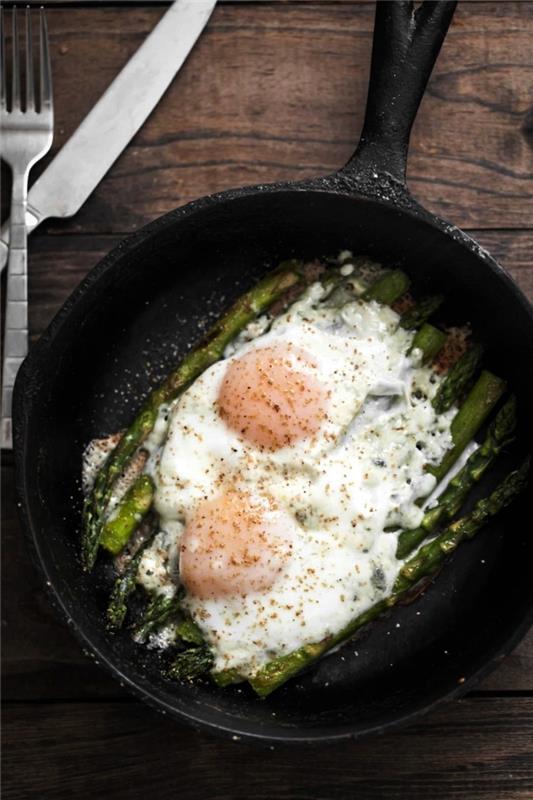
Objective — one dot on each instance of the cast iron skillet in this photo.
(138, 311)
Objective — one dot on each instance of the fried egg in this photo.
(285, 466)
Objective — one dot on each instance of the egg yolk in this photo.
(232, 546)
(270, 402)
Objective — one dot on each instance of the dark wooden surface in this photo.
(273, 90)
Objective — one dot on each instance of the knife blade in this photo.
(117, 116)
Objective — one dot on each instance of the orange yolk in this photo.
(265, 398)
(232, 547)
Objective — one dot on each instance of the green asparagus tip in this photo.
(124, 586)
(131, 510)
(504, 424)
(421, 312)
(477, 406)
(429, 340)
(389, 288)
(457, 379)
(500, 498)
(189, 632)
(160, 611)
(191, 664)
(226, 677)
(90, 536)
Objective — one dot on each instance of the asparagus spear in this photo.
(429, 340)
(479, 403)
(252, 303)
(432, 554)
(281, 669)
(389, 288)
(457, 379)
(189, 632)
(278, 671)
(124, 586)
(191, 664)
(499, 435)
(226, 677)
(131, 510)
(421, 312)
(385, 290)
(159, 611)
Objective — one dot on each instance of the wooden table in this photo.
(273, 90)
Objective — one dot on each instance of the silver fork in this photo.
(26, 137)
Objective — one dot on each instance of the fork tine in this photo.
(46, 69)
(15, 90)
(30, 87)
(3, 90)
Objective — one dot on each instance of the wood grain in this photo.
(274, 90)
(478, 749)
(58, 264)
(278, 93)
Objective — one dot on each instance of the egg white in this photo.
(339, 490)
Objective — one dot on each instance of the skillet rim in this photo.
(336, 184)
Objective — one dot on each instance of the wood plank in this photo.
(69, 3)
(58, 264)
(275, 93)
(270, 93)
(479, 749)
(52, 3)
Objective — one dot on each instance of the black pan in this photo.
(138, 311)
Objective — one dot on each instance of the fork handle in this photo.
(16, 315)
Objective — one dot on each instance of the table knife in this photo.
(116, 117)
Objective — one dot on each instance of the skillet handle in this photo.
(406, 45)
